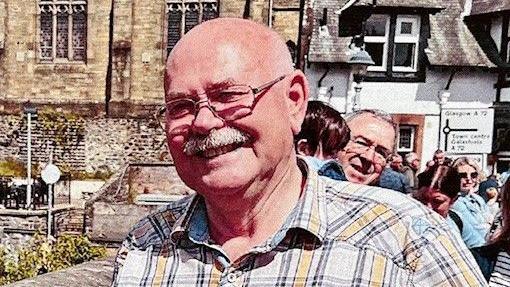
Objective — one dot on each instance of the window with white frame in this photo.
(183, 15)
(407, 37)
(376, 40)
(62, 30)
(406, 138)
(403, 42)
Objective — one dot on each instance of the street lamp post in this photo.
(359, 62)
(30, 111)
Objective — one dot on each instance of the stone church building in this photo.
(92, 70)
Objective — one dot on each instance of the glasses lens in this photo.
(180, 108)
(361, 146)
(231, 94)
(473, 175)
(233, 102)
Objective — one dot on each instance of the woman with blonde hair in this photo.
(471, 207)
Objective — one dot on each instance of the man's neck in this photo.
(240, 223)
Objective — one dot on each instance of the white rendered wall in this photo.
(469, 88)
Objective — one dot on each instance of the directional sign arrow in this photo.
(447, 130)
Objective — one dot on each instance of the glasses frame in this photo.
(382, 159)
(196, 103)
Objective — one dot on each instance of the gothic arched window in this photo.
(62, 30)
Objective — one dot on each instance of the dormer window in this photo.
(393, 42)
(407, 36)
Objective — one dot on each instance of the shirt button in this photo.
(231, 277)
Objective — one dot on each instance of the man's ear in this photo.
(303, 147)
(297, 100)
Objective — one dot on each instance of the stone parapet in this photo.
(17, 225)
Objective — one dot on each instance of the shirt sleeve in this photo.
(444, 260)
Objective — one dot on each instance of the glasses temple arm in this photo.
(267, 85)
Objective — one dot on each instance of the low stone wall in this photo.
(18, 226)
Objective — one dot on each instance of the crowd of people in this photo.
(289, 193)
(472, 204)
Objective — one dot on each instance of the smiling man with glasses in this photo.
(260, 215)
(372, 141)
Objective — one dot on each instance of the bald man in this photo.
(261, 217)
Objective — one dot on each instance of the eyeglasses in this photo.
(473, 175)
(230, 103)
(361, 145)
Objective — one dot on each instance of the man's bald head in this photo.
(262, 49)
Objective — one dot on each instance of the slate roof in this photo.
(451, 42)
(489, 6)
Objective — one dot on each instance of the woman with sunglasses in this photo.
(470, 206)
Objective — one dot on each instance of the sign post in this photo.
(50, 174)
(466, 131)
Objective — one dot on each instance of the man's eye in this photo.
(231, 94)
(437, 202)
(361, 142)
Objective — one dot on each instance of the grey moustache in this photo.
(197, 144)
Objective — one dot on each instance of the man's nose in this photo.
(205, 119)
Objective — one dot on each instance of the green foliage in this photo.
(83, 175)
(40, 256)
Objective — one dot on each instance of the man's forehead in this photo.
(198, 68)
(373, 129)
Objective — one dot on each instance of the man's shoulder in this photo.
(156, 227)
(373, 207)
(381, 219)
(347, 193)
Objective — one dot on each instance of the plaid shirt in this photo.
(339, 234)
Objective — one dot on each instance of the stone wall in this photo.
(112, 143)
(137, 47)
(82, 144)
(28, 79)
